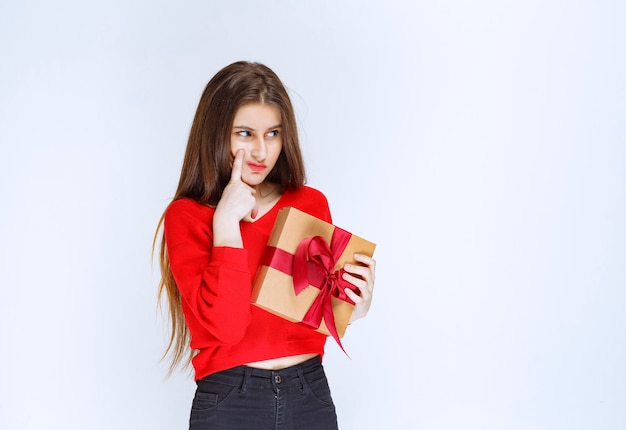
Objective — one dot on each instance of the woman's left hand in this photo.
(362, 277)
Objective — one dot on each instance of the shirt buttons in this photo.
(277, 379)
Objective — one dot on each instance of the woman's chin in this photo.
(253, 180)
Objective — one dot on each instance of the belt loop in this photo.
(303, 383)
(247, 371)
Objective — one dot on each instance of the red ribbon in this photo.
(314, 265)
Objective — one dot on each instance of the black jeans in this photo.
(294, 398)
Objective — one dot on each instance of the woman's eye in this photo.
(244, 133)
(272, 133)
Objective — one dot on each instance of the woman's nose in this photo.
(259, 150)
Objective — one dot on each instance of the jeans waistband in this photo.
(261, 377)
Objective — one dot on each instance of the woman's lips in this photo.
(256, 167)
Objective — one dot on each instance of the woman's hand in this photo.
(362, 277)
(236, 203)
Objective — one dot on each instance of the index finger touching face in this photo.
(235, 175)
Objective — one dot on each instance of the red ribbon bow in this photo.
(314, 265)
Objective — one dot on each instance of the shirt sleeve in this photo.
(214, 282)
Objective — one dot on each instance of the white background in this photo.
(481, 144)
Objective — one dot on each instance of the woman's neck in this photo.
(267, 194)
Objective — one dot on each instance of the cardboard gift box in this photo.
(299, 277)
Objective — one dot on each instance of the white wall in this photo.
(481, 144)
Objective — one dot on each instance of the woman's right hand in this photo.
(236, 203)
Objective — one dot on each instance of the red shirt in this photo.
(216, 284)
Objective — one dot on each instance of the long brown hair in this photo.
(207, 166)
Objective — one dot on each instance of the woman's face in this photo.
(257, 130)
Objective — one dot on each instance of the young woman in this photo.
(254, 370)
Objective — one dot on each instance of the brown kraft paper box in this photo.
(273, 290)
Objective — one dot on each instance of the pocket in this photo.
(211, 396)
(204, 401)
(205, 408)
(319, 389)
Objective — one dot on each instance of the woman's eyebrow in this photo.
(245, 127)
